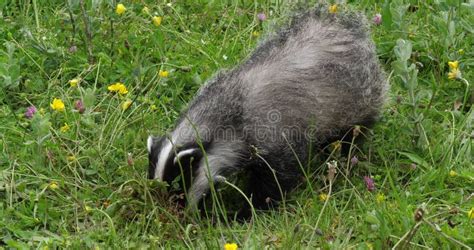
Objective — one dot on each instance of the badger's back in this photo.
(320, 75)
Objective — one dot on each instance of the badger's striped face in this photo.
(154, 147)
(168, 160)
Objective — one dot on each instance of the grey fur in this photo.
(309, 83)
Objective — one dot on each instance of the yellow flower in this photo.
(71, 158)
(323, 197)
(370, 246)
(65, 128)
(163, 73)
(470, 214)
(146, 10)
(53, 185)
(230, 246)
(74, 82)
(380, 198)
(255, 34)
(453, 173)
(118, 87)
(333, 8)
(57, 104)
(157, 20)
(153, 107)
(126, 104)
(453, 65)
(87, 208)
(120, 9)
(454, 74)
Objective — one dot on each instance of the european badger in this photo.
(309, 84)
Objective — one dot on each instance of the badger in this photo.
(303, 87)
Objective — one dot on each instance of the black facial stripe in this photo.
(170, 171)
(152, 158)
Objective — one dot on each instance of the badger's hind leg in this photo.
(269, 184)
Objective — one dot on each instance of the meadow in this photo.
(83, 84)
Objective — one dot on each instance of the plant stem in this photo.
(88, 39)
(35, 7)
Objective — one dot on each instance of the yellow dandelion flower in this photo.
(470, 214)
(333, 8)
(123, 90)
(453, 65)
(163, 73)
(380, 198)
(126, 104)
(255, 34)
(73, 82)
(230, 246)
(65, 128)
(156, 20)
(454, 74)
(120, 9)
(146, 10)
(57, 104)
(323, 197)
(118, 88)
(53, 185)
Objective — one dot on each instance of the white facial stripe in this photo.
(149, 143)
(162, 158)
(184, 153)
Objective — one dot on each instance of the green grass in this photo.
(87, 187)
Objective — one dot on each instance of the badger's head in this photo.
(180, 156)
(198, 163)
